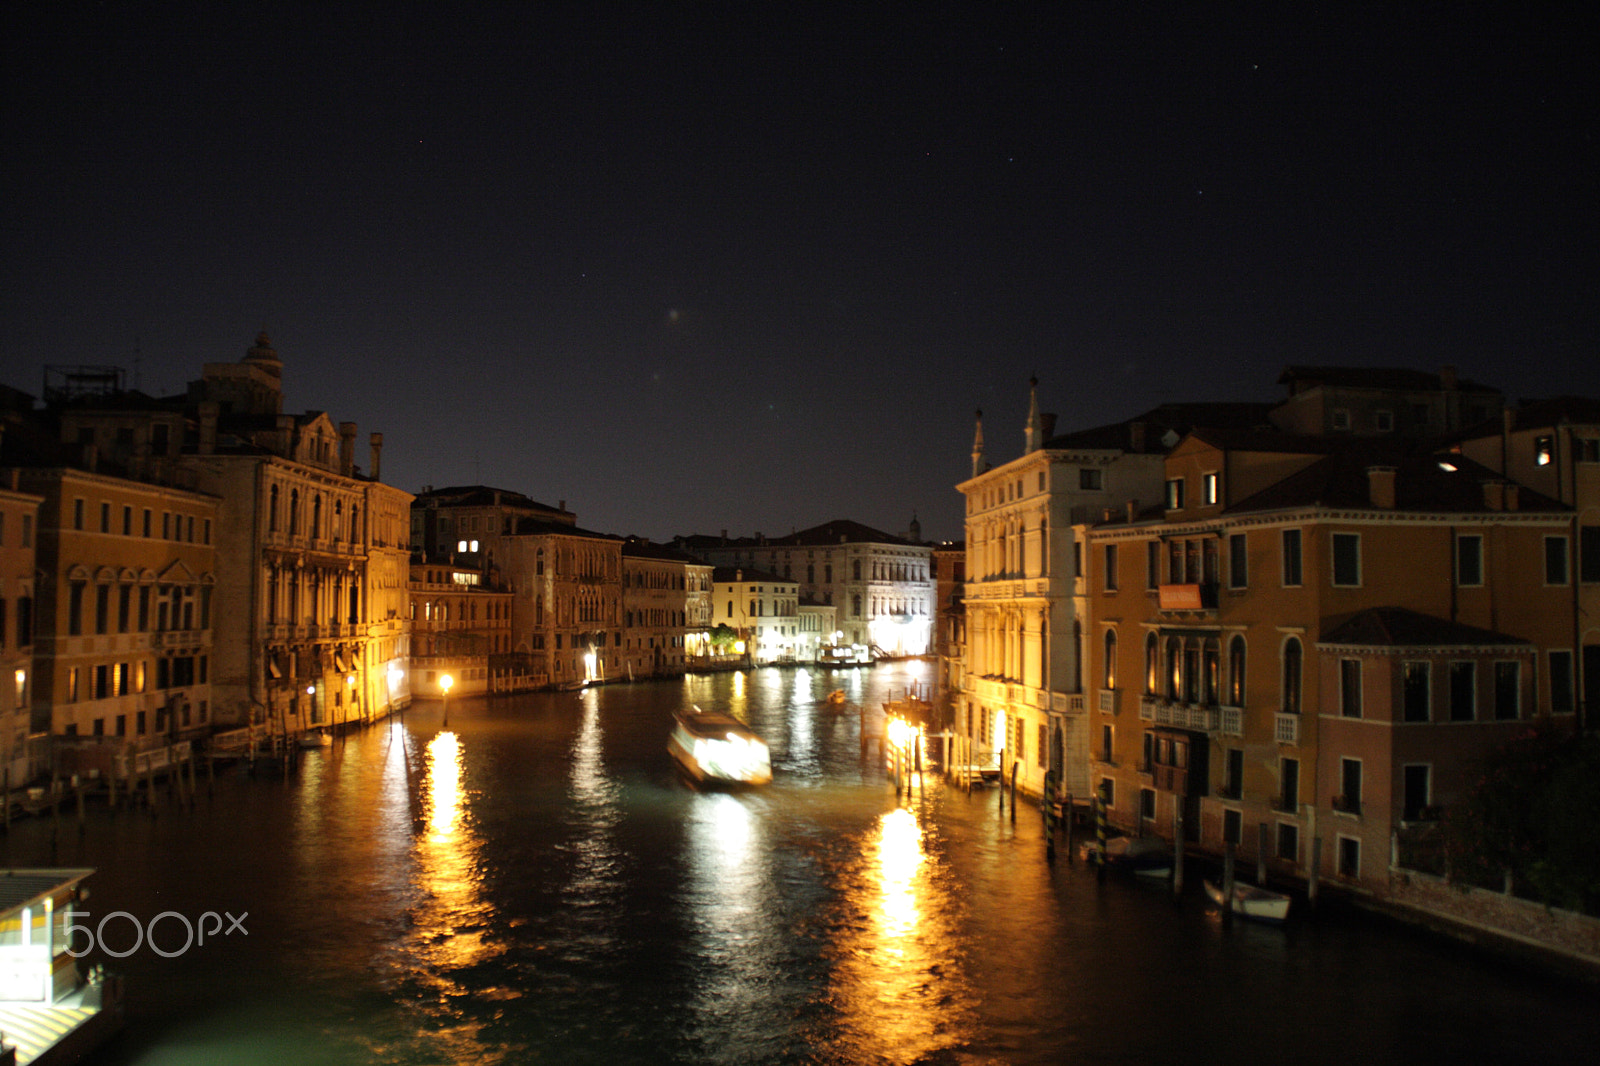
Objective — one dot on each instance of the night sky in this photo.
(695, 268)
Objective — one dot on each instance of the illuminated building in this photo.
(762, 608)
(312, 554)
(461, 627)
(464, 524)
(566, 615)
(666, 597)
(881, 586)
(1026, 613)
(1553, 446)
(19, 516)
(1317, 637)
(124, 609)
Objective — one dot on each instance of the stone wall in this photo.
(1574, 936)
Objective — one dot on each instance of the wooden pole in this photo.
(1227, 884)
(1066, 811)
(1100, 834)
(1316, 871)
(1177, 847)
(1261, 854)
(1013, 791)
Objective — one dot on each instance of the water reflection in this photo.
(451, 923)
(900, 982)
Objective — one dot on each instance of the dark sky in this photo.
(693, 267)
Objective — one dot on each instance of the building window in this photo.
(1589, 554)
(1463, 690)
(1233, 773)
(1208, 488)
(1089, 479)
(1350, 688)
(1238, 562)
(1111, 659)
(1288, 842)
(1469, 559)
(1556, 571)
(1236, 671)
(1210, 672)
(1291, 676)
(1417, 696)
(1507, 690)
(1544, 450)
(1416, 785)
(1383, 421)
(1152, 664)
(1349, 799)
(1232, 827)
(1349, 857)
(1341, 419)
(1289, 785)
(1561, 687)
(1152, 564)
(1111, 567)
(1291, 558)
(1347, 559)
(1175, 494)
(77, 514)
(1147, 804)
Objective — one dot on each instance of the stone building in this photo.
(460, 626)
(658, 585)
(19, 516)
(880, 585)
(567, 617)
(762, 608)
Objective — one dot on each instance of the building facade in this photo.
(19, 518)
(658, 585)
(460, 627)
(1307, 642)
(762, 608)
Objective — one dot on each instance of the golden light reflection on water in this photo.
(899, 984)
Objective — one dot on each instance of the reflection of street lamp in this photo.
(444, 686)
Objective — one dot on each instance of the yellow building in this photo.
(460, 626)
(658, 585)
(19, 516)
(1308, 640)
(125, 608)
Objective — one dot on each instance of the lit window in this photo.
(1208, 488)
(1544, 450)
(1175, 494)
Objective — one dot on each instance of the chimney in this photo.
(1494, 494)
(347, 448)
(376, 441)
(1136, 432)
(1133, 509)
(209, 412)
(1380, 486)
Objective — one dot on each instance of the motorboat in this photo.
(716, 749)
(1144, 856)
(315, 738)
(836, 699)
(1253, 902)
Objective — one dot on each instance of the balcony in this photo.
(1286, 728)
(1109, 700)
(1231, 721)
(1189, 597)
(1347, 805)
(1147, 708)
(1194, 716)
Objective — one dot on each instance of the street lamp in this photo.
(444, 686)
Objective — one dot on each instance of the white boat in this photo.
(1253, 901)
(315, 738)
(715, 749)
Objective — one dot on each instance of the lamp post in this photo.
(444, 686)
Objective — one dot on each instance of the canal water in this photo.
(530, 881)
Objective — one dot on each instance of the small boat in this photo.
(836, 699)
(574, 685)
(315, 738)
(1253, 902)
(715, 749)
(1144, 856)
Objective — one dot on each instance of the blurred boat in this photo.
(1144, 856)
(715, 749)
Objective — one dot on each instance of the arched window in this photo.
(272, 510)
(1174, 668)
(855, 606)
(1210, 671)
(1236, 671)
(316, 516)
(1291, 676)
(294, 510)
(1111, 659)
(1152, 664)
